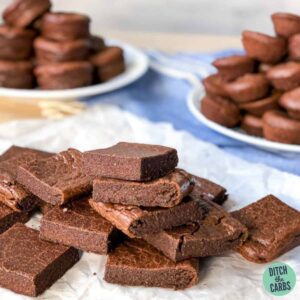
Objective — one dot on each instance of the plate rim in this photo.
(141, 66)
(195, 97)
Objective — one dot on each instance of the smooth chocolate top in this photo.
(286, 24)
(291, 99)
(215, 85)
(274, 228)
(279, 119)
(63, 17)
(284, 71)
(233, 61)
(56, 179)
(131, 161)
(21, 13)
(248, 87)
(138, 256)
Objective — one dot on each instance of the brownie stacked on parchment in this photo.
(260, 91)
(132, 203)
(53, 50)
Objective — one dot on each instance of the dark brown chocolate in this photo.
(285, 76)
(286, 24)
(57, 179)
(22, 13)
(107, 56)
(61, 26)
(12, 193)
(136, 221)
(9, 217)
(64, 75)
(167, 191)
(274, 229)
(79, 226)
(214, 85)
(259, 107)
(15, 43)
(16, 74)
(131, 161)
(248, 88)
(220, 110)
(232, 67)
(264, 47)
(136, 263)
(279, 127)
(28, 265)
(111, 71)
(208, 190)
(252, 125)
(48, 51)
(291, 102)
(217, 233)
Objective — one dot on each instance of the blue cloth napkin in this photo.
(158, 97)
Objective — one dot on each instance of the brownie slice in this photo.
(9, 217)
(208, 190)
(131, 161)
(78, 225)
(12, 193)
(167, 191)
(14, 151)
(57, 179)
(136, 263)
(29, 265)
(217, 233)
(136, 221)
(274, 228)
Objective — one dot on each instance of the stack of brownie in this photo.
(52, 50)
(132, 203)
(260, 91)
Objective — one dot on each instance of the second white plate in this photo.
(194, 100)
(136, 65)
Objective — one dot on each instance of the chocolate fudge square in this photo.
(9, 217)
(167, 191)
(131, 161)
(274, 228)
(136, 221)
(136, 263)
(217, 233)
(78, 225)
(12, 193)
(13, 151)
(208, 190)
(29, 265)
(57, 179)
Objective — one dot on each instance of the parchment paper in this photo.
(225, 277)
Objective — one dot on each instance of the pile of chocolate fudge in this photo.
(129, 202)
(52, 50)
(260, 91)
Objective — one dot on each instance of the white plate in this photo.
(193, 102)
(136, 65)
